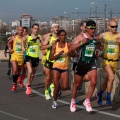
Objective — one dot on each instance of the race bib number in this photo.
(61, 58)
(18, 47)
(111, 49)
(33, 49)
(89, 51)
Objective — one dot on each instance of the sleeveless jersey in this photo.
(17, 46)
(111, 47)
(62, 61)
(48, 50)
(87, 51)
(33, 47)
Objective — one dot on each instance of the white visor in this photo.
(54, 24)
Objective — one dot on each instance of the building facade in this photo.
(27, 20)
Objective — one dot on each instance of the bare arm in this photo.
(24, 43)
(9, 43)
(77, 42)
(52, 53)
(100, 37)
(45, 44)
(118, 39)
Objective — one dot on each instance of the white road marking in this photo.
(67, 103)
(13, 115)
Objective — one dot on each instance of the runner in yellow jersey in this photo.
(47, 44)
(32, 45)
(23, 74)
(110, 59)
(17, 57)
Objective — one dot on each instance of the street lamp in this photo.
(65, 13)
(90, 8)
(77, 13)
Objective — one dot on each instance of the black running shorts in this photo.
(84, 67)
(48, 64)
(33, 61)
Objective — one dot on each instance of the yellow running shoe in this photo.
(52, 89)
(47, 95)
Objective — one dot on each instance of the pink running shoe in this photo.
(73, 106)
(28, 90)
(87, 104)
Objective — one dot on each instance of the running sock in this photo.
(100, 93)
(108, 95)
(15, 77)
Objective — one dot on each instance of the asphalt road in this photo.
(18, 106)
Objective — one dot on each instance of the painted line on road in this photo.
(79, 106)
(67, 103)
(13, 115)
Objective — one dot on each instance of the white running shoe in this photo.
(87, 104)
(55, 105)
(73, 106)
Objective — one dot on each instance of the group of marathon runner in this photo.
(84, 49)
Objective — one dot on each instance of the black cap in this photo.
(90, 23)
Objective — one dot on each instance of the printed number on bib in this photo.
(18, 47)
(111, 49)
(33, 49)
(89, 51)
(61, 58)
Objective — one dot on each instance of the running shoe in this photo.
(28, 90)
(109, 102)
(52, 89)
(87, 104)
(47, 95)
(19, 79)
(21, 84)
(49, 89)
(73, 106)
(99, 98)
(55, 105)
(14, 87)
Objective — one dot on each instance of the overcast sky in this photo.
(44, 10)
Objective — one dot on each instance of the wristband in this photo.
(80, 42)
(9, 48)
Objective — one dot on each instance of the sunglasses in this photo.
(91, 27)
(114, 26)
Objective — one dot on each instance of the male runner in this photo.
(17, 56)
(47, 44)
(110, 59)
(31, 44)
(5, 52)
(86, 63)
